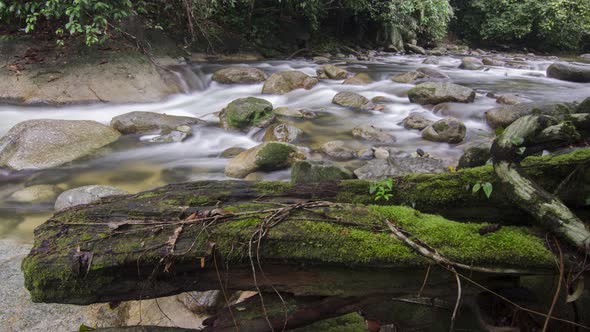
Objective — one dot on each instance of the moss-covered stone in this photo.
(245, 113)
(314, 172)
(269, 156)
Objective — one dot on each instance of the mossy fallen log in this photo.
(84, 255)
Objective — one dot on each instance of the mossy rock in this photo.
(269, 156)
(246, 113)
(318, 171)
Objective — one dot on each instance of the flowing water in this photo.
(135, 165)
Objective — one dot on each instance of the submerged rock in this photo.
(416, 121)
(231, 152)
(493, 62)
(246, 113)
(151, 123)
(291, 113)
(358, 79)
(471, 63)
(569, 72)
(269, 156)
(283, 82)
(282, 132)
(41, 193)
(448, 130)
(332, 72)
(339, 150)
(440, 92)
(239, 75)
(41, 144)
(505, 115)
(85, 195)
(353, 100)
(318, 171)
(372, 133)
(510, 99)
(383, 168)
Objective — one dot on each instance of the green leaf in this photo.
(487, 189)
(476, 187)
(85, 328)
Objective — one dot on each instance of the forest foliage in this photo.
(550, 24)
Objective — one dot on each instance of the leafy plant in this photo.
(382, 189)
(485, 186)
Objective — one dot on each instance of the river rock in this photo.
(433, 73)
(431, 60)
(245, 113)
(584, 106)
(440, 92)
(381, 153)
(85, 195)
(471, 63)
(407, 77)
(416, 121)
(569, 72)
(384, 168)
(339, 150)
(177, 174)
(358, 79)
(41, 144)
(372, 133)
(283, 82)
(231, 152)
(41, 193)
(282, 132)
(415, 49)
(174, 136)
(320, 59)
(505, 115)
(492, 62)
(332, 72)
(353, 100)
(239, 75)
(151, 123)
(476, 155)
(510, 99)
(318, 171)
(447, 130)
(269, 156)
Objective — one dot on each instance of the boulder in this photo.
(584, 106)
(246, 113)
(585, 56)
(318, 171)
(440, 92)
(416, 121)
(447, 130)
(372, 133)
(41, 144)
(381, 153)
(415, 49)
(151, 123)
(433, 73)
(231, 152)
(283, 82)
(569, 72)
(407, 77)
(471, 63)
(358, 79)
(269, 156)
(476, 155)
(448, 110)
(339, 150)
(332, 72)
(505, 115)
(353, 100)
(384, 168)
(239, 75)
(41, 193)
(85, 195)
(282, 132)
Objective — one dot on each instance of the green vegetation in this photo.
(382, 189)
(550, 24)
